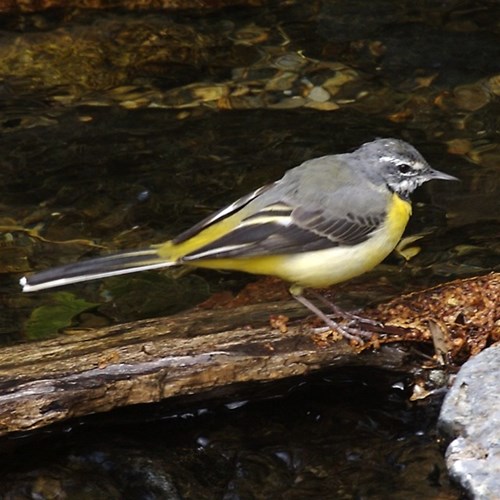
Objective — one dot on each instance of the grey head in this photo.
(397, 164)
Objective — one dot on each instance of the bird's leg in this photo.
(339, 312)
(347, 332)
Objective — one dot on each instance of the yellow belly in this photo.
(326, 267)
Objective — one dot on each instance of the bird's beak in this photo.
(436, 174)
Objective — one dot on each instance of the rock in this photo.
(318, 94)
(471, 415)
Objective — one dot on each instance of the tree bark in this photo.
(196, 352)
(150, 360)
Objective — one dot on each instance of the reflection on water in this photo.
(122, 129)
(344, 436)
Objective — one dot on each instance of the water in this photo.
(343, 435)
(122, 129)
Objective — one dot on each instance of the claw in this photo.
(351, 331)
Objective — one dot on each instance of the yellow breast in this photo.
(398, 216)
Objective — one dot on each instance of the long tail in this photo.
(102, 267)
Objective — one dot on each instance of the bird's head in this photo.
(398, 164)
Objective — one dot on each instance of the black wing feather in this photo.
(220, 214)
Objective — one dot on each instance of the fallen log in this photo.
(195, 352)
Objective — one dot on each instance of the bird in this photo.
(324, 222)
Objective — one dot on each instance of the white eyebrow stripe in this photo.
(392, 159)
(417, 165)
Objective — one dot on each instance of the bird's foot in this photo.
(353, 320)
(356, 328)
(351, 333)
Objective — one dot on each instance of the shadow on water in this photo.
(121, 129)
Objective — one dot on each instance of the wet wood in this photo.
(192, 353)
(147, 361)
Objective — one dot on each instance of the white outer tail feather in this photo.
(87, 270)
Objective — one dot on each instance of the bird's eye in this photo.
(404, 168)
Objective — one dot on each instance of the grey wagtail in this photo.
(324, 222)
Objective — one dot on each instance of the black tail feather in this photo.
(102, 267)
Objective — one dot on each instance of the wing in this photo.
(220, 214)
(280, 228)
